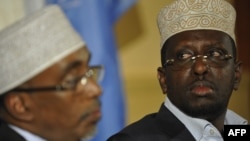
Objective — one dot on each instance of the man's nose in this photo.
(200, 65)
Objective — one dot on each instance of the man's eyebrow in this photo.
(73, 65)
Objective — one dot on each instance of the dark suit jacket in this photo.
(161, 126)
(7, 134)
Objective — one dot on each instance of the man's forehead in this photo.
(200, 34)
(207, 37)
(81, 56)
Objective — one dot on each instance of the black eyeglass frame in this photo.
(62, 87)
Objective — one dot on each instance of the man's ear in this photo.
(161, 75)
(237, 74)
(17, 105)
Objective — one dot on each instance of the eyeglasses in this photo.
(185, 59)
(94, 72)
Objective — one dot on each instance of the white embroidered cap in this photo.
(184, 15)
(33, 44)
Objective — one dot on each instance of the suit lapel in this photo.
(7, 134)
(172, 126)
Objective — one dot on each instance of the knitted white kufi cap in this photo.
(33, 44)
(185, 15)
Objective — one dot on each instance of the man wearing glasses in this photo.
(199, 72)
(47, 89)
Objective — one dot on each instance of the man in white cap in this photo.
(47, 89)
(198, 74)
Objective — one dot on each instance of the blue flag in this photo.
(94, 20)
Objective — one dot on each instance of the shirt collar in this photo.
(233, 118)
(197, 126)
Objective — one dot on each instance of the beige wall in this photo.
(140, 57)
(10, 11)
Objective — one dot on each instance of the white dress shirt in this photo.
(201, 129)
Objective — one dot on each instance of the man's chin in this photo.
(90, 135)
(206, 112)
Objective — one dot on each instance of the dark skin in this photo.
(201, 90)
(57, 115)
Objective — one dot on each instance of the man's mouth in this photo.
(201, 89)
(94, 114)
